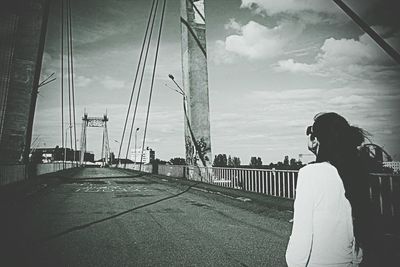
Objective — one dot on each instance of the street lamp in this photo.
(177, 85)
(181, 92)
(137, 129)
(76, 160)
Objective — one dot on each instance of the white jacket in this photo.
(322, 233)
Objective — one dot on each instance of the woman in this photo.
(331, 197)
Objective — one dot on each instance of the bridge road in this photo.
(75, 220)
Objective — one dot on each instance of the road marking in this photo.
(110, 188)
(244, 199)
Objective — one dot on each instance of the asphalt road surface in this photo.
(110, 217)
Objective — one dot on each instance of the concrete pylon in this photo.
(22, 36)
(195, 83)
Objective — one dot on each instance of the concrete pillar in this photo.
(195, 83)
(22, 36)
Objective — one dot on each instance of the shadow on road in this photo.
(83, 226)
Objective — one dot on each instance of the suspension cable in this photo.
(72, 76)
(69, 73)
(141, 79)
(152, 81)
(134, 82)
(365, 27)
(12, 40)
(62, 76)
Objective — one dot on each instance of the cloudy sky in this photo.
(272, 66)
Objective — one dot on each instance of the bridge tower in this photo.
(23, 26)
(195, 83)
(95, 122)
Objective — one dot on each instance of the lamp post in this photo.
(119, 160)
(76, 161)
(65, 146)
(137, 129)
(73, 149)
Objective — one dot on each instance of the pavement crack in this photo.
(157, 222)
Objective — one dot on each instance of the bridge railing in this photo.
(11, 173)
(384, 191)
(134, 166)
(43, 168)
(280, 183)
(384, 188)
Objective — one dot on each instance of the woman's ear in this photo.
(313, 145)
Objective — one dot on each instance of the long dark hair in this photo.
(338, 145)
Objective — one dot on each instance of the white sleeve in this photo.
(299, 247)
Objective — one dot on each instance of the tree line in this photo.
(222, 160)
(228, 161)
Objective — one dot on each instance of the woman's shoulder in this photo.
(317, 168)
(322, 177)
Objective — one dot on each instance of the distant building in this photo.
(394, 165)
(45, 155)
(148, 154)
